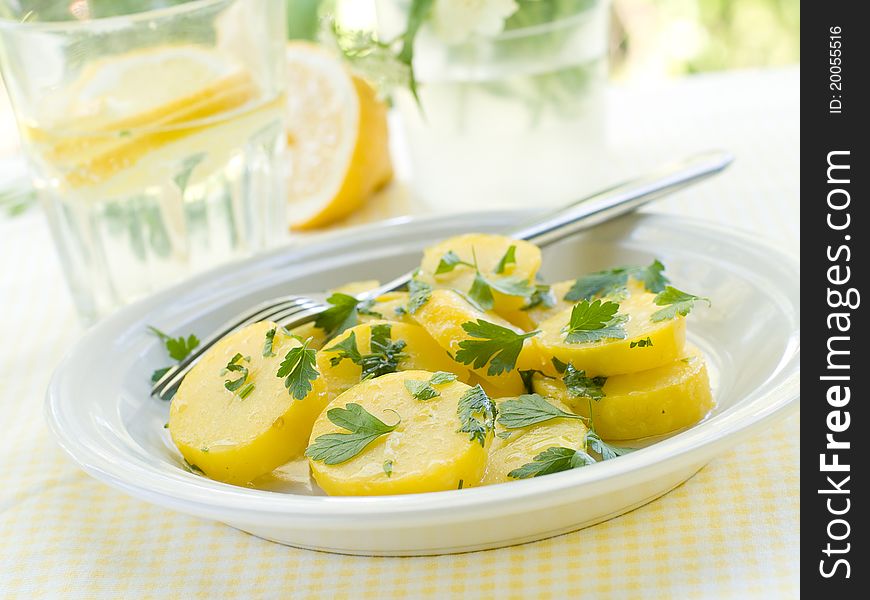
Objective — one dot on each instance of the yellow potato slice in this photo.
(309, 331)
(653, 402)
(236, 439)
(442, 317)
(356, 287)
(391, 306)
(425, 453)
(489, 250)
(525, 443)
(613, 356)
(420, 352)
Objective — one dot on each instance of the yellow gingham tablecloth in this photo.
(732, 531)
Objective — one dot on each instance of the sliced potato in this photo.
(425, 453)
(391, 306)
(522, 445)
(652, 402)
(356, 287)
(488, 250)
(663, 342)
(442, 317)
(236, 439)
(492, 390)
(309, 331)
(420, 352)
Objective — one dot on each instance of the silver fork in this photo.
(293, 311)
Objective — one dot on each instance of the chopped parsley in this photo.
(235, 366)
(419, 293)
(450, 261)
(177, 348)
(610, 281)
(647, 343)
(529, 409)
(269, 343)
(541, 296)
(509, 258)
(424, 390)
(605, 450)
(338, 317)
(363, 428)
(553, 460)
(594, 321)
(494, 344)
(384, 357)
(388, 467)
(299, 369)
(477, 414)
(676, 302)
(581, 386)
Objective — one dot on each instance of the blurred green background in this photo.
(652, 39)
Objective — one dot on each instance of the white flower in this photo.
(455, 21)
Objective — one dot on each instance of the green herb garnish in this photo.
(388, 467)
(338, 317)
(509, 258)
(384, 357)
(676, 303)
(477, 414)
(450, 261)
(581, 386)
(647, 343)
(362, 426)
(424, 390)
(270, 342)
(553, 460)
(496, 345)
(246, 391)
(299, 369)
(605, 450)
(235, 366)
(609, 281)
(541, 296)
(177, 348)
(419, 293)
(594, 321)
(529, 409)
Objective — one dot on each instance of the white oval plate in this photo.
(99, 408)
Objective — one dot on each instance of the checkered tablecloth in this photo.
(732, 531)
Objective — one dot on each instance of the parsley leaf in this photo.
(497, 345)
(541, 296)
(421, 390)
(449, 262)
(481, 292)
(553, 460)
(594, 321)
(156, 375)
(581, 386)
(235, 366)
(653, 277)
(365, 308)
(424, 390)
(476, 402)
(603, 448)
(676, 303)
(179, 348)
(647, 343)
(388, 467)
(526, 375)
(529, 409)
(384, 357)
(299, 370)
(608, 281)
(338, 317)
(363, 428)
(419, 293)
(509, 258)
(269, 343)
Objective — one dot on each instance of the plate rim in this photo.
(204, 494)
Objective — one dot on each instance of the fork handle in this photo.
(607, 204)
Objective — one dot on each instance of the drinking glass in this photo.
(154, 134)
